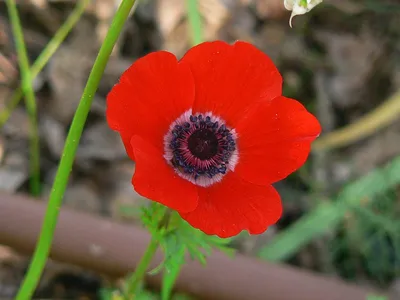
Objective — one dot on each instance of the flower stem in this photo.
(60, 183)
(163, 216)
(30, 100)
(45, 56)
(141, 268)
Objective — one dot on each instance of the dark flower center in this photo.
(201, 148)
(203, 144)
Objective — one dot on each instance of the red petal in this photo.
(157, 181)
(274, 140)
(230, 78)
(126, 138)
(151, 94)
(233, 205)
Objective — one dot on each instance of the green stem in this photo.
(30, 100)
(45, 56)
(60, 183)
(195, 21)
(141, 269)
(163, 215)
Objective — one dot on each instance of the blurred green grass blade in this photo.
(45, 240)
(45, 56)
(328, 215)
(288, 242)
(194, 21)
(375, 297)
(30, 100)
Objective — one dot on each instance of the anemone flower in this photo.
(210, 133)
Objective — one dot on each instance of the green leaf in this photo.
(157, 269)
(178, 239)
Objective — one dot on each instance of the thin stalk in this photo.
(141, 268)
(34, 162)
(71, 144)
(45, 56)
(194, 21)
(163, 214)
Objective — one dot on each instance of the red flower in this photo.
(210, 133)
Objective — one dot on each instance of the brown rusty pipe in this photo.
(114, 249)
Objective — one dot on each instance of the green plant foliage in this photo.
(178, 240)
(375, 297)
(329, 215)
(368, 241)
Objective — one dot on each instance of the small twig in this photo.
(148, 256)
(377, 119)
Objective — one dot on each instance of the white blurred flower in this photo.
(300, 7)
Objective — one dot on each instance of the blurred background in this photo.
(341, 60)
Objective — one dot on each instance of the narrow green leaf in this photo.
(327, 216)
